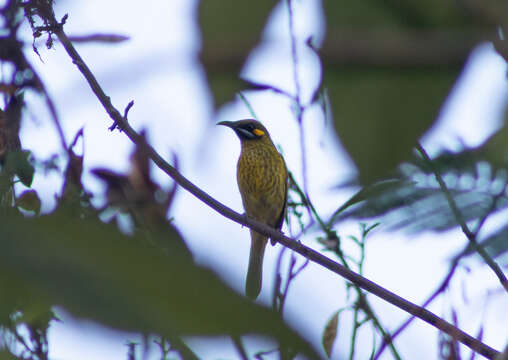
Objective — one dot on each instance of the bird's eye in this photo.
(250, 127)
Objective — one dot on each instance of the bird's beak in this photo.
(227, 123)
(242, 133)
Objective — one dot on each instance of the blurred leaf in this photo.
(494, 150)
(10, 120)
(413, 200)
(501, 46)
(370, 191)
(496, 244)
(95, 272)
(330, 333)
(18, 163)
(379, 113)
(397, 13)
(136, 194)
(38, 319)
(29, 200)
(230, 29)
(5, 355)
(490, 12)
(72, 189)
(388, 67)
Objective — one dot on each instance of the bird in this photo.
(263, 183)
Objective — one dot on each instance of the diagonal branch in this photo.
(305, 251)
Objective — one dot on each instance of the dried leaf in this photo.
(29, 200)
(330, 333)
(9, 89)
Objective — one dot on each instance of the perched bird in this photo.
(262, 180)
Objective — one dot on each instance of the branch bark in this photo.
(296, 246)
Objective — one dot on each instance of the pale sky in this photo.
(157, 70)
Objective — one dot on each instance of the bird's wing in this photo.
(280, 220)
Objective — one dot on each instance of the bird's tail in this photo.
(255, 272)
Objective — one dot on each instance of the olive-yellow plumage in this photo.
(262, 180)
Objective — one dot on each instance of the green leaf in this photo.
(18, 163)
(95, 272)
(388, 68)
(413, 200)
(29, 200)
(5, 355)
(230, 30)
(37, 317)
(379, 114)
(369, 192)
(496, 245)
(330, 333)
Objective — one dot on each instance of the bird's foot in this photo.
(273, 241)
(245, 218)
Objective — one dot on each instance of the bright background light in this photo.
(158, 69)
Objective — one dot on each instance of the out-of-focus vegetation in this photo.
(387, 69)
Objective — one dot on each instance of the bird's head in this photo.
(247, 130)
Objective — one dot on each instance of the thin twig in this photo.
(264, 229)
(362, 300)
(237, 341)
(291, 275)
(101, 38)
(185, 352)
(358, 305)
(355, 332)
(21, 340)
(248, 105)
(54, 117)
(458, 216)
(278, 280)
(298, 99)
(482, 221)
(308, 204)
(49, 102)
(283, 295)
(294, 53)
(164, 347)
(430, 299)
(279, 297)
(295, 273)
(259, 355)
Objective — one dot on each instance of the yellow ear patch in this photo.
(258, 132)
